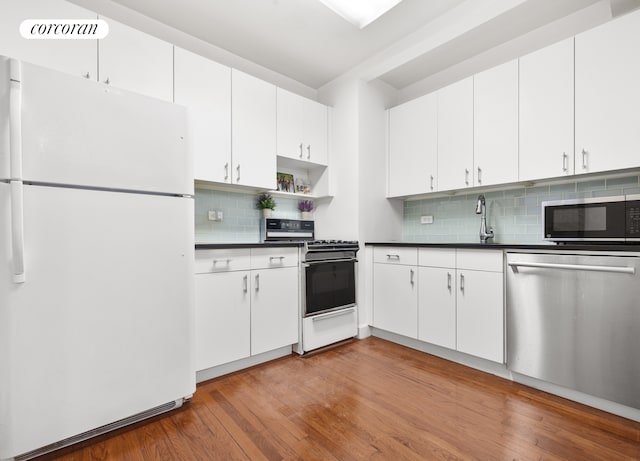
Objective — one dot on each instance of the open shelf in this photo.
(277, 193)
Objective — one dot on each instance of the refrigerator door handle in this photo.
(17, 231)
(15, 160)
(15, 121)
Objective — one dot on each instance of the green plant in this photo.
(265, 201)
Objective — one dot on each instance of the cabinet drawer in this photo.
(222, 260)
(437, 257)
(396, 255)
(267, 258)
(329, 328)
(480, 260)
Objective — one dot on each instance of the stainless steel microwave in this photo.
(609, 219)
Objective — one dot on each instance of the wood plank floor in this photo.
(369, 399)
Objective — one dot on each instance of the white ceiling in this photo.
(302, 39)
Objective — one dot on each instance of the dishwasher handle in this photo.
(573, 267)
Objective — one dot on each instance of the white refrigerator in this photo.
(96, 258)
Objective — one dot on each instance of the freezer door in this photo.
(80, 132)
(102, 327)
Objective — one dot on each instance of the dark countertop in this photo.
(516, 246)
(226, 246)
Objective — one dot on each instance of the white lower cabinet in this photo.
(437, 303)
(395, 290)
(223, 312)
(480, 314)
(274, 309)
(242, 311)
(452, 298)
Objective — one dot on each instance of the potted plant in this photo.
(306, 207)
(265, 203)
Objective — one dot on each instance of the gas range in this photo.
(328, 311)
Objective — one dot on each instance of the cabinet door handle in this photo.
(309, 152)
(301, 146)
(226, 171)
(466, 176)
(584, 159)
(245, 283)
(397, 257)
(238, 178)
(216, 261)
(431, 177)
(462, 283)
(257, 282)
(449, 281)
(412, 274)
(479, 176)
(279, 258)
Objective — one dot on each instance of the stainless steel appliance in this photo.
(328, 292)
(286, 230)
(574, 320)
(611, 219)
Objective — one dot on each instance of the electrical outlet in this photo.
(426, 219)
(215, 215)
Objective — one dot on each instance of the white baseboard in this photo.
(226, 368)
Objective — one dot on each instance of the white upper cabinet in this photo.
(289, 125)
(413, 147)
(455, 135)
(495, 120)
(135, 61)
(302, 128)
(76, 57)
(316, 135)
(608, 96)
(253, 131)
(204, 88)
(546, 112)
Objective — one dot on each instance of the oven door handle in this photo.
(314, 263)
(329, 315)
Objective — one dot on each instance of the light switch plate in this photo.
(426, 219)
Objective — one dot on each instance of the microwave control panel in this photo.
(633, 219)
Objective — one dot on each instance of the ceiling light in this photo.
(360, 12)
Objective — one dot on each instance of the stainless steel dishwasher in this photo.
(574, 320)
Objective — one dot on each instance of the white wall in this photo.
(359, 209)
(337, 218)
(380, 218)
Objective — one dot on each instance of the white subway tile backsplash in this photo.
(515, 214)
(241, 221)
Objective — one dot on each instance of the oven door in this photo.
(329, 286)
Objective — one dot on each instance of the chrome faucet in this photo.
(481, 209)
